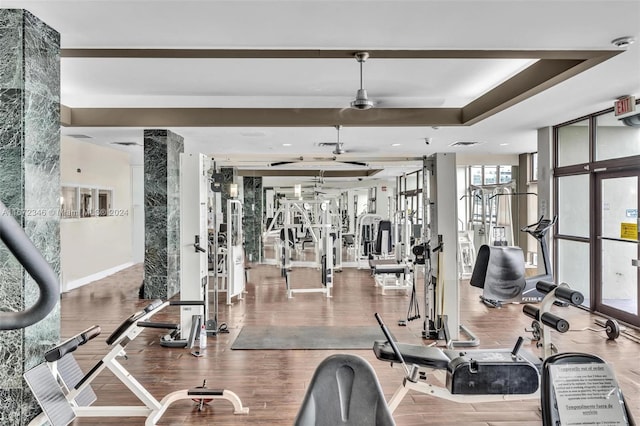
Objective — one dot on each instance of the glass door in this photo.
(617, 251)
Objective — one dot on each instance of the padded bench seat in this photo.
(388, 266)
(425, 356)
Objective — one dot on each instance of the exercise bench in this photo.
(64, 392)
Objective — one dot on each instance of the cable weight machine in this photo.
(439, 230)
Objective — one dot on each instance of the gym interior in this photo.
(319, 213)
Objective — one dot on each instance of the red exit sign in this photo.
(624, 105)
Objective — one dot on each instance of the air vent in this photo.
(80, 136)
(125, 143)
(465, 143)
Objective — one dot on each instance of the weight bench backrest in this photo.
(344, 390)
(583, 365)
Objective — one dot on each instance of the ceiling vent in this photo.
(80, 136)
(465, 143)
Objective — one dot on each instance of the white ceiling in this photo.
(332, 83)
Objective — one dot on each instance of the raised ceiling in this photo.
(254, 82)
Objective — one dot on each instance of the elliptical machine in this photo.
(500, 271)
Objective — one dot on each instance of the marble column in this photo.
(162, 150)
(30, 188)
(252, 220)
(228, 177)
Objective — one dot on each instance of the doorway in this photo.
(617, 251)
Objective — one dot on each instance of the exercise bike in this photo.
(500, 272)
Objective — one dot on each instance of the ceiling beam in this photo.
(262, 117)
(308, 172)
(328, 54)
(551, 68)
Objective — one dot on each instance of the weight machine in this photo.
(235, 252)
(495, 375)
(439, 236)
(64, 392)
(324, 243)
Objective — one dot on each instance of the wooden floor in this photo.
(272, 383)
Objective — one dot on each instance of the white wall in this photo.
(94, 247)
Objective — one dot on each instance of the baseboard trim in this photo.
(71, 285)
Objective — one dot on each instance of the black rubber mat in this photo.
(307, 337)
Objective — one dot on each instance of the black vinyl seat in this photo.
(344, 390)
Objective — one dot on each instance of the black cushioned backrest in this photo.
(344, 390)
(500, 271)
(384, 225)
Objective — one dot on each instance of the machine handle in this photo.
(153, 305)
(14, 237)
(396, 351)
(71, 344)
(197, 246)
(545, 286)
(562, 292)
(531, 311)
(559, 324)
(568, 295)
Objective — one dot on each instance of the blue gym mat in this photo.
(307, 337)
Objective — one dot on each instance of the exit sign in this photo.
(624, 105)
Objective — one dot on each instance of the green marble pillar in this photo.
(30, 188)
(162, 150)
(252, 220)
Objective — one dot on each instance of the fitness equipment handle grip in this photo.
(186, 303)
(387, 334)
(568, 295)
(531, 311)
(71, 344)
(153, 305)
(14, 237)
(559, 324)
(562, 293)
(545, 286)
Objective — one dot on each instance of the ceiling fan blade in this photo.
(282, 163)
(355, 163)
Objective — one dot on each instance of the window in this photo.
(82, 201)
(614, 139)
(573, 143)
(69, 202)
(505, 174)
(533, 175)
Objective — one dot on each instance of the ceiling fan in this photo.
(338, 150)
(361, 101)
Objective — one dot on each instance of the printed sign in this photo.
(587, 394)
(633, 213)
(629, 231)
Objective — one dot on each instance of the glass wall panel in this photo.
(573, 144)
(619, 276)
(476, 175)
(614, 139)
(505, 174)
(490, 175)
(573, 205)
(573, 266)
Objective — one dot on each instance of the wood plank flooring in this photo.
(272, 383)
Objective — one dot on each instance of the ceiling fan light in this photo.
(361, 101)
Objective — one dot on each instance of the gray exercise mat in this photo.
(307, 337)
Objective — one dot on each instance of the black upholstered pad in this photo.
(425, 356)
